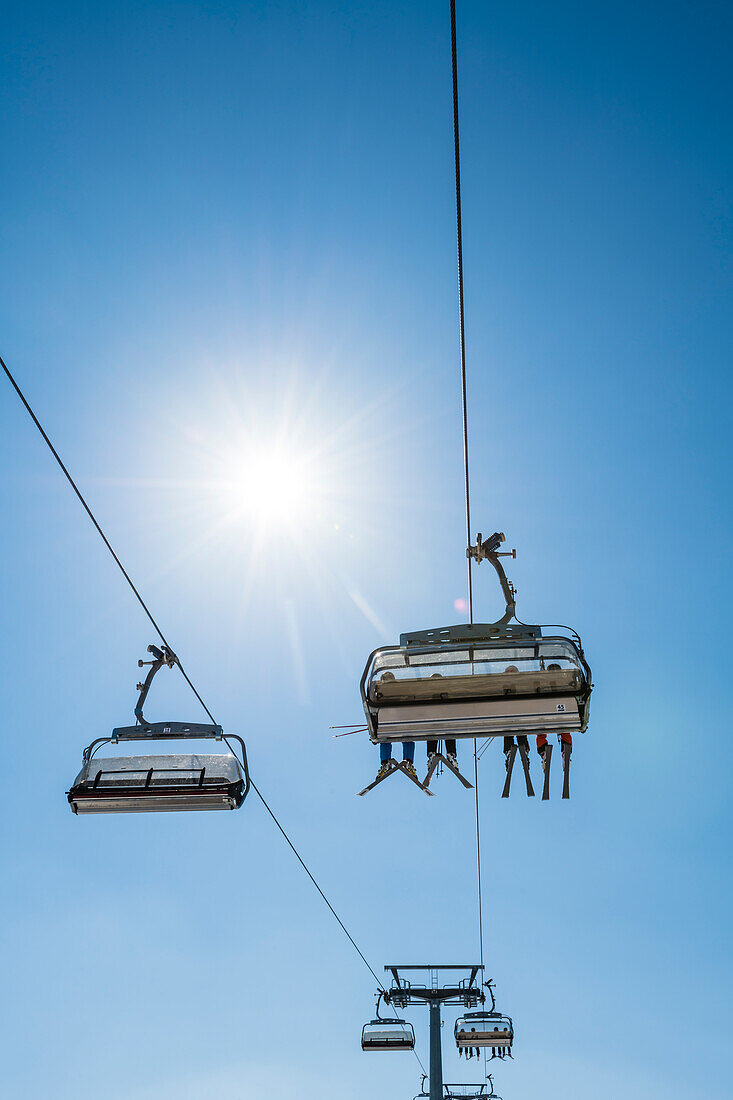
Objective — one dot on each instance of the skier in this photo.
(450, 744)
(522, 741)
(385, 751)
(565, 738)
(545, 754)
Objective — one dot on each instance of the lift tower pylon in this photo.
(435, 992)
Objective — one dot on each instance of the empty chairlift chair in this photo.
(468, 1092)
(388, 1035)
(478, 680)
(164, 782)
(138, 784)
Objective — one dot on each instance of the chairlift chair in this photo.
(468, 1092)
(478, 680)
(485, 1029)
(388, 1035)
(139, 784)
(422, 1092)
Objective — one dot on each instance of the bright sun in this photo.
(270, 484)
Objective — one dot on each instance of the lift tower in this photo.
(437, 991)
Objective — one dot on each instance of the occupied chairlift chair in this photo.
(139, 784)
(485, 1028)
(480, 679)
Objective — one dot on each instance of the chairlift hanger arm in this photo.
(161, 656)
(422, 1091)
(487, 549)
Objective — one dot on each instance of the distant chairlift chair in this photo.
(485, 1029)
(388, 1035)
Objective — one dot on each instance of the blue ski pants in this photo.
(408, 751)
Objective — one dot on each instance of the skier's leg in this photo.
(546, 761)
(566, 752)
(509, 754)
(385, 758)
(523, 748)
(408, 755)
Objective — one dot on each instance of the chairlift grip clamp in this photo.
(488, 549)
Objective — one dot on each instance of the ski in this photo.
(509, 765)
(524, 754)
(457, 774)
(379, 779)
(437, 758)
(566, 751)
(397, 766)
(546, 760)
(413, 779)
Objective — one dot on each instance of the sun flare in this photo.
(270, 484)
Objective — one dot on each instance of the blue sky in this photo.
(226, 224)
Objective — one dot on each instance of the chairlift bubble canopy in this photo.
(478, 679)
(388, 1035)
(170, 782)
(484, 1029)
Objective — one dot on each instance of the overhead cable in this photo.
(464, 411)
(461, 312)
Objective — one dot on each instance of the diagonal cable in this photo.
(302, 863)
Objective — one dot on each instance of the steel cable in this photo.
(461, 311)
(464, 411)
